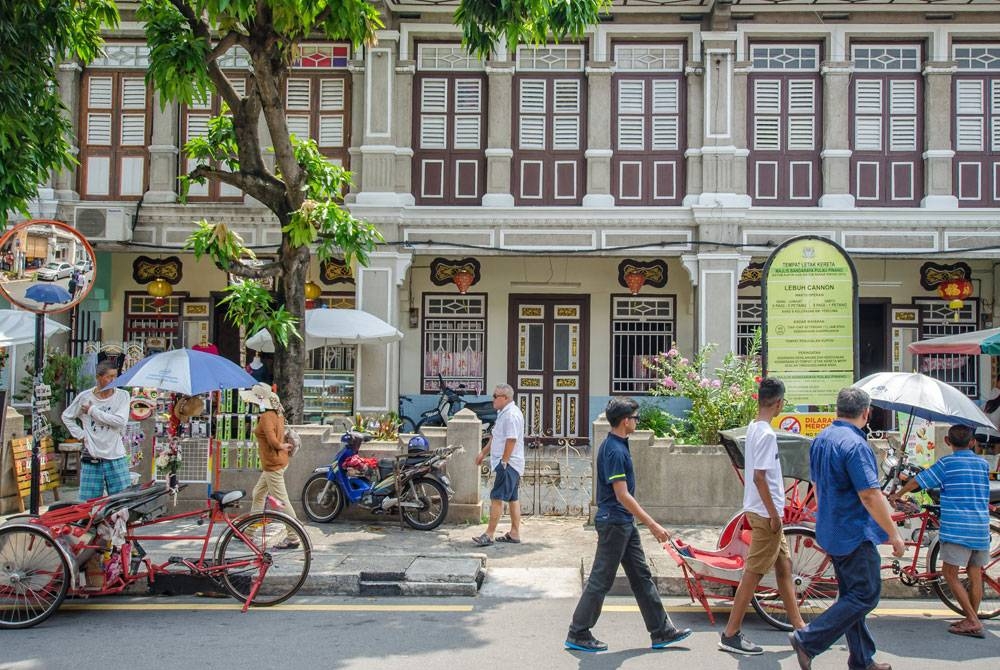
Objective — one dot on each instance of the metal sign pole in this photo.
(36, 473)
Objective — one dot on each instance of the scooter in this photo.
(450, 401)
(417, 485)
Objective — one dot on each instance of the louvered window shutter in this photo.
(99, 95)
(631, 133)
(99, 129)
(331, 94)
(532, 96)
(239, 85)
(468, 105)
(298, 126)
(666, 97)
(331, 130)
(995, 112)
(903, 110)
(197, 125)
(468, 96)
(666, 133)
(133, 93)
(531, 132)
(631, 118)
(766, 120)
(433, 131)
(802, 115)
(868, 115)
(434, 95)
(433, 116)
(631, 97)
(298, 94)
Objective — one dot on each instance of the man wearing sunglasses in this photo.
(618, 540)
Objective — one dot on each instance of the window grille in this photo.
(454, 341)
(640, 327)
(938, 320)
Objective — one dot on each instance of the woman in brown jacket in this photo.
(274, 451)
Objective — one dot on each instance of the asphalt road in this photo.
(451, 633)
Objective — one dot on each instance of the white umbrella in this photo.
(18, 327)
(919, 395)
(335, 326)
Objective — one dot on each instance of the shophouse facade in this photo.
(681, 140)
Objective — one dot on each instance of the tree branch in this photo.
(240, 269)
(265, 188)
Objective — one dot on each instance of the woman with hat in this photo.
(274, 451)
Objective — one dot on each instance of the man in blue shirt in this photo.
(852, 518)
(964, 480)
(618, 540)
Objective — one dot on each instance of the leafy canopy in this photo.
(35, 35)
(487, 23)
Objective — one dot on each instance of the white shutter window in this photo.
(995, 133)
(133, 93)
(868, 133)
(766, 96)
(631, 97)
(197, 125)
(203, 103)
(299, 126)
(133, 130)
(468, 96)
(903, 134)
(666, 97)
(969, 133)
(298, 93)
(766, 133)
(434, 95)
(532, 99)
(467, 130)
(331, 94)
(239, 85)
(566, 132)
(331, 130)
(995, 96)
(194, 188)
(531, 133)
(666, 133)
(433, 131)
(99, 129)
(631, 133)
(969, 96)
(99, 93)
(902, 97)
(567, 96)
(801, 96)
(801, 133)
(868, 96)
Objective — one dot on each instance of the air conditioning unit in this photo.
(104, 224)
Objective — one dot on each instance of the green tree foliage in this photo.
(488, 23)
(35, 129)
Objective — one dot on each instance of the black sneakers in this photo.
(738, 644)
(590, 644)
(668, 636)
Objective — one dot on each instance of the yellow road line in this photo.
(303, 607)
(881, 611)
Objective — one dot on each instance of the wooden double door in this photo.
(549, 350)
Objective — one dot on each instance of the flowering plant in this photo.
(727, 400)
(168, 459)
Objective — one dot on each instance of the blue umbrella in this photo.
(186, 371)
(47, 294)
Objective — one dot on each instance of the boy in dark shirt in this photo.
(618, 540)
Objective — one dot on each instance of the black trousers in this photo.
(618, 544)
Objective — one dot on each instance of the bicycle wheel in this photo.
(812, 576)
(989, 608)
(322, 499)
(34, 577)
(274, 556)
(406, 425)
(433, 500)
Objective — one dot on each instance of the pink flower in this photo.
(735, 389)
(716, 383)
(704, 383)
(684, 361)
(693, 375)
(668, 382)
(672, 353)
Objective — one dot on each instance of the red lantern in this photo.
(955, 291)
(634, 281)
(463, 280)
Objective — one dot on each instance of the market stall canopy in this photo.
(335, 326)
(18, 327)
(972, 343)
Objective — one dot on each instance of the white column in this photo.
(376, 383)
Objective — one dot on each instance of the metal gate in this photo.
(558, 477)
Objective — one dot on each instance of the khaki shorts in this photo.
(765, 545)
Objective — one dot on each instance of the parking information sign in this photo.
(810, 319)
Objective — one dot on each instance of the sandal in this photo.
(286, 544)
(508, 539)
(958, 629)
(482, 540)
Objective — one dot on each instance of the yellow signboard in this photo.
(809, 319)
(804, 423)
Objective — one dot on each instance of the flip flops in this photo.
(958, 629)
(508, 539)
(482, 540)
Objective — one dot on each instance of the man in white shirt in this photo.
(506, 450)
(764, 504)
(97, 417)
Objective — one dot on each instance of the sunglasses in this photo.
(634, 416)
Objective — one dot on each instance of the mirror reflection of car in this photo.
(84, 265)
(54, 271)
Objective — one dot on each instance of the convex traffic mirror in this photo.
(45, 266)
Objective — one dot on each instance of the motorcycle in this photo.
(450, 401)
(418, 486)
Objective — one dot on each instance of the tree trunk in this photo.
(290, 361)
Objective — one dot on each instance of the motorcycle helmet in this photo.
(417, 444)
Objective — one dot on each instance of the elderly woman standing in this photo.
(274, 451)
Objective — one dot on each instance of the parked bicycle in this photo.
(449, 401)
(261, 558)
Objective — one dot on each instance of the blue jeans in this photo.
(860, 585)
